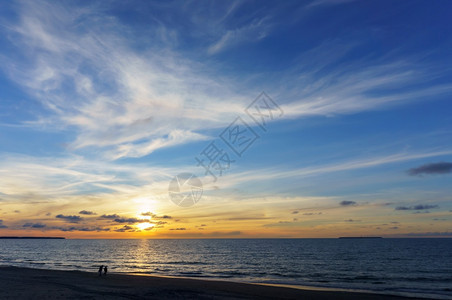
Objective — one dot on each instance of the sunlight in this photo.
(143, 226)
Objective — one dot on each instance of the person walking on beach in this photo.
(105, 271)
(100, 270)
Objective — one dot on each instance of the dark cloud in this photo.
(38, 225)
(312, 214)
(70, 219)
(295, 212)
(159, 223)
(182, 228)
(114, 216)
(434, 168)
(351, 220)
(416, 207)
(126, 228)
(130, 220)
(154, 216)
(427, 206)
(395, 227)
(87, 212)
(2, 225)
(347, 203)
(84, 229)
(403, 208)
(34, 225)
(17, 211)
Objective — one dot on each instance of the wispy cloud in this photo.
(277, 173)
(129, 103)
(255, 31)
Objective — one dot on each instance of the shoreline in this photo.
(27, 283)
(402, 295)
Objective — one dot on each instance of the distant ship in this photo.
(360, 237)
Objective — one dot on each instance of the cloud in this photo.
(129, 103)
(130, 220)
(351, 220)
(70, 219)
(254, 31)
(82, 229)
(126, 228)
(34, 225)
(180, 228)
(347, 203)
(277, 173)
(113, 216)
(416, 207)
(159, 223)
(154, 216)
(2, 225)
(86, 212)
(433, 168)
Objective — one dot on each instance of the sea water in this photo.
(420, 267)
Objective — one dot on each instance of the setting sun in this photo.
(143, 226)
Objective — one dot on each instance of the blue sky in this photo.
(102, 103)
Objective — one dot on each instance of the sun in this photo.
(145, 225)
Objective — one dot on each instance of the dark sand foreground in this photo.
(24, 283)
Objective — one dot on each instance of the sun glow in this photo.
(143, 226)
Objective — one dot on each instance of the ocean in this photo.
(419, 267)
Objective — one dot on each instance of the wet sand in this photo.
(24, 283)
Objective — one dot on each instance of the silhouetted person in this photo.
(105, 271)
(100, 270)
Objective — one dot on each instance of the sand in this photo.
(24, 283)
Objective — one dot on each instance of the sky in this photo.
(292, 119)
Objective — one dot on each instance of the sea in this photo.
(410, 267)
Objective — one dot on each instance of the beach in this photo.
(27, 283)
